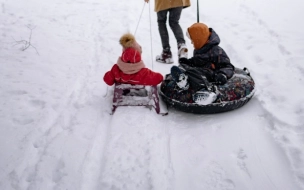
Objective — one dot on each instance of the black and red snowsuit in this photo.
(208, 61)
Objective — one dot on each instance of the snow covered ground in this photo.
(56, 131)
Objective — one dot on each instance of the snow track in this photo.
(55, 123)
(133, 144)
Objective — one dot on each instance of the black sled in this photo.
(234, 94)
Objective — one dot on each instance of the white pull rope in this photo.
(139, 18)
(150, 29)
(151, 36)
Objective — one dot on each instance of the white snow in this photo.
(56, 131)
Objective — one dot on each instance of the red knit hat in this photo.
(130, 55)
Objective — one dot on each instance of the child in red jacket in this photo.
(130, 69)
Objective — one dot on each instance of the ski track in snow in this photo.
(65, 124)
(129, 155)
(76, 144)
(281, 130)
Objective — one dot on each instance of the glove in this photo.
(220, 78)
(184, 60)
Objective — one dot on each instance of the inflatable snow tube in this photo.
(234, 94)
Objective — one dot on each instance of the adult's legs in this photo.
(174, 17)
(162, 28)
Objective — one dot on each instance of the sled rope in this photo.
(150, 29)
(151, 36)
(139, 18)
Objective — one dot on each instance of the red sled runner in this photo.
(136, 95)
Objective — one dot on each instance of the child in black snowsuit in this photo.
(209, 63)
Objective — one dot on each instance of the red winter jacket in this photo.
(143, 77)
(130, 69)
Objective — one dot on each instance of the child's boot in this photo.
(204, 97)
(180, 78)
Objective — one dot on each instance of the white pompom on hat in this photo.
(128, 40)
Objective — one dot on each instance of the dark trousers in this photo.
(199, 78)
(174, 16)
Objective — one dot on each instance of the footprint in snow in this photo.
(38, 103)
(23, 120)
(241, 157)
(17, 92)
